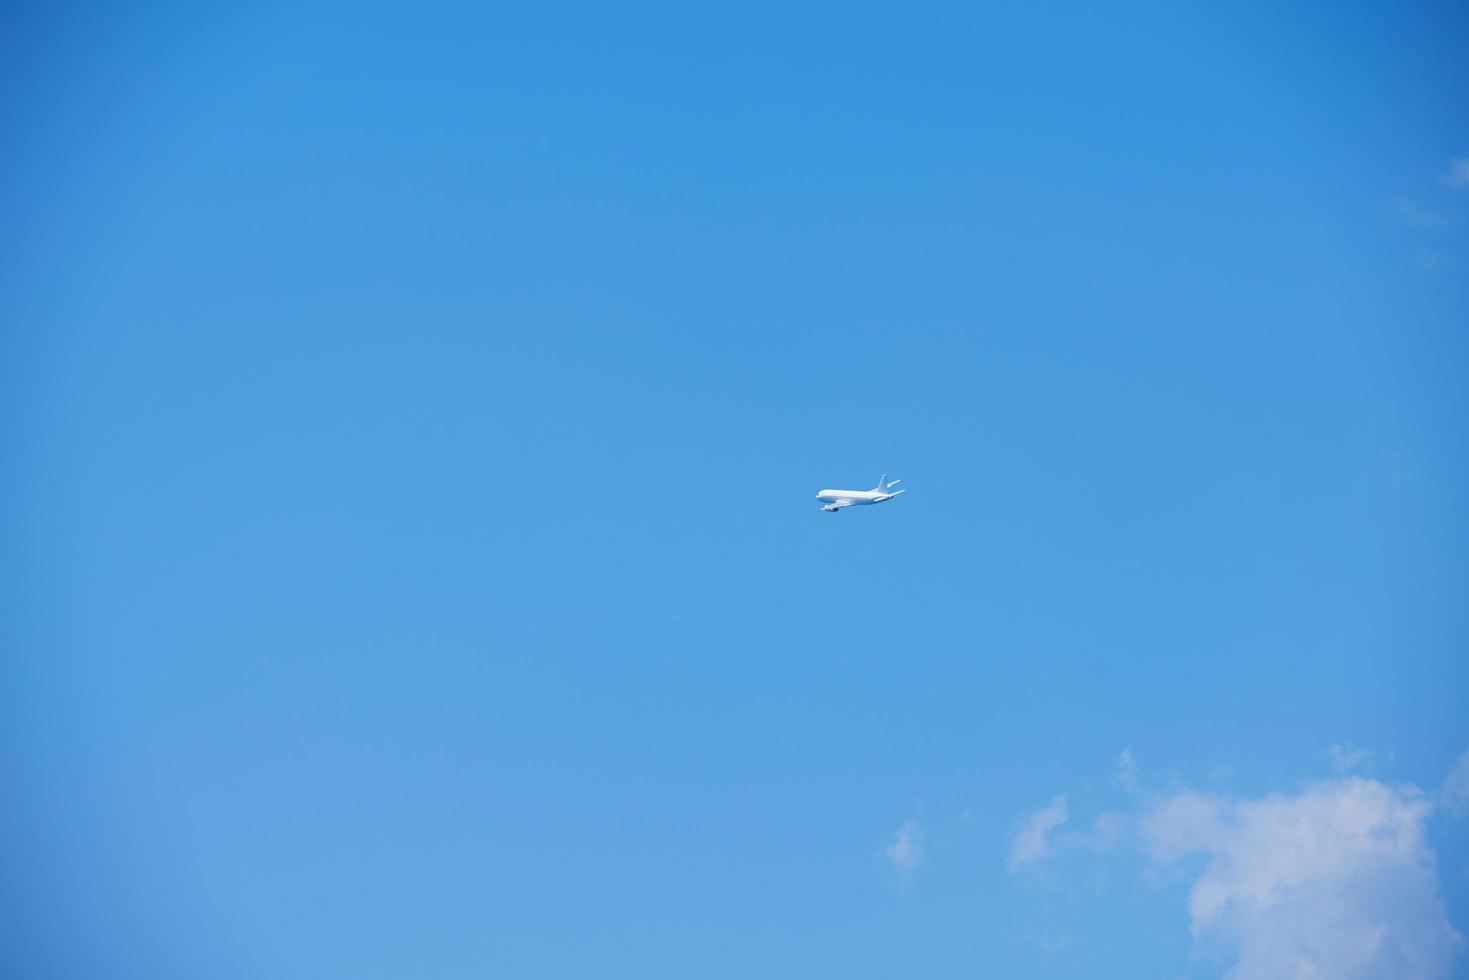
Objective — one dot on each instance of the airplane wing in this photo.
(837, 504)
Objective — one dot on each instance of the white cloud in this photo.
(1455, 791)
(905, 851)
(1458, 175)
(1032, 841)
(1125, 778)
(1107, 832)
(1336, 881)
(1333, 880)
(1345, 760)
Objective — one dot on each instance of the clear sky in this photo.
(412, 416)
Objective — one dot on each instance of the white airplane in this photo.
(835, 500)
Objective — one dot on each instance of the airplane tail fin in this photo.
(883, 486)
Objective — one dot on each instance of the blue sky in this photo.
(413, 416)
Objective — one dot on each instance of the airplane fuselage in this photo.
(855, 496)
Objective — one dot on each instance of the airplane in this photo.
(835, 500)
